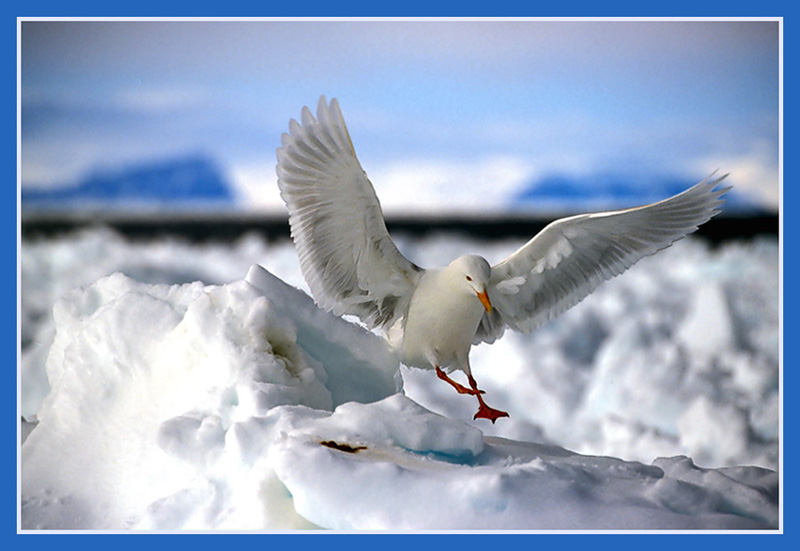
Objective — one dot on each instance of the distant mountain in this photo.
(578, 193)
(184, 181)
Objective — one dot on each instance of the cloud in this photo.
(417, 186)
(428, 186)
(256, 187)
(157, 100)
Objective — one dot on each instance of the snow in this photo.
(168, 386)
(407, 478)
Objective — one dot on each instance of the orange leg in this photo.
(484, 411)
(461, 389)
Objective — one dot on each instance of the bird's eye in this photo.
(469, 278)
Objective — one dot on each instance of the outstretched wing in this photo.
(346, 255)
(570, 257)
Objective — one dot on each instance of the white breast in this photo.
(442, 319)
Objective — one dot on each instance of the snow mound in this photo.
(243, 406)
(145, 378)
(359, 363)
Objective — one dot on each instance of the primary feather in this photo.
(570, 257)
(347, 257)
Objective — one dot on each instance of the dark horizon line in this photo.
(199, 227)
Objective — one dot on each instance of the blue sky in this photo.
(443, 114)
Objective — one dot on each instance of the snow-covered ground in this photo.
(178, 386)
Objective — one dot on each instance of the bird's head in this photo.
(473, 272)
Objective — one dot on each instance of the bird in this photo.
(432, 317)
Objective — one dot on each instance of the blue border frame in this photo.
(9, 225)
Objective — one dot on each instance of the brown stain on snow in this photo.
(342, 447)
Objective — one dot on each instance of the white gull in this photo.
(433, 316)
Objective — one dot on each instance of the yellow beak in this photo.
(484, 298)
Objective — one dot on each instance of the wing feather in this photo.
(346, 254)
(570, 257)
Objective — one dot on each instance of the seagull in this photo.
(432, 317)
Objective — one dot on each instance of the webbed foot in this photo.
(485, 412)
